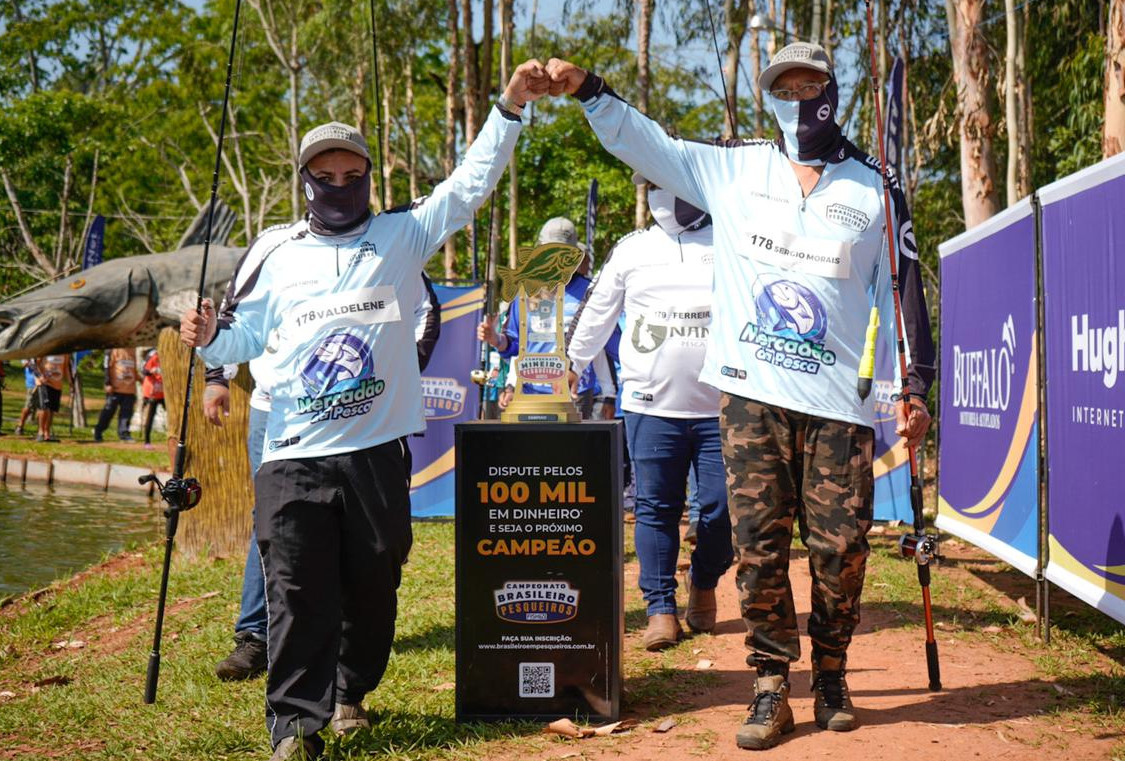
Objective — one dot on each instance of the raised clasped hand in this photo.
(565, 77)
(528, 82)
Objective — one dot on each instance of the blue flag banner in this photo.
(591, 214)
(95, 243)
(896, 87)
(448, 397)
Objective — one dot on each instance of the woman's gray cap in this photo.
(798, 55)
(329, 137)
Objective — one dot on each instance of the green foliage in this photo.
(140, 84)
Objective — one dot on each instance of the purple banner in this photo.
(448, 396)
(1084, 292)
(988, 457)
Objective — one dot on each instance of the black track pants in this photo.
(333, 533)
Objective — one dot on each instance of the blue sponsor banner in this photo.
(891, 466)
(95, 244)
(1084, 300)
(989, 453)
(448, 396)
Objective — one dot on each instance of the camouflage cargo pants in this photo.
(784, 465)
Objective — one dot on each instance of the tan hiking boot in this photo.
(348, 718)
(770, 716)
(832, 705)
(663, 631)
(701, 608)
(292, 749)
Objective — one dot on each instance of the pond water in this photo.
(49, 532)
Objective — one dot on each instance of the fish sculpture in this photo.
(544, 266)
(122, 302)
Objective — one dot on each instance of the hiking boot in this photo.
(292, 749)
(246, 661)
(691, 536)
(832, 705)
(701, 608)
(770, 716)
(663, 631)
(348, 718)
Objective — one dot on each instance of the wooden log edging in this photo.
(98, 475)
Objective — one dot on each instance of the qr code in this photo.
(537, 680)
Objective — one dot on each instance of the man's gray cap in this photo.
(798, 55)
(558, 230)
(332, 136)
(561, 230)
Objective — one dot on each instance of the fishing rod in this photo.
(480, 375)
(375, 98)
(181, 494)
(920, 546)
(730, 108)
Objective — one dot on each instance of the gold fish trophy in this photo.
(535, 289)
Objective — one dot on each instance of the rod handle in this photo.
(152, 677)
(867, 360)
(933, 667)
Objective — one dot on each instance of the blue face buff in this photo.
(334, 210)
(809, 126)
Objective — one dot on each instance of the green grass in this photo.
(76, 443)
(98, 714)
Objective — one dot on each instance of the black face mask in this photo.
(809, 126)
(334, 209)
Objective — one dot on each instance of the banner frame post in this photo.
(1042, 586)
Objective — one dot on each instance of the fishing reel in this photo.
(180, 494)
(923, 548)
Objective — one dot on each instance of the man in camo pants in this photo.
(800, 261)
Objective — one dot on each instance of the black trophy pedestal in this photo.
(540, 615)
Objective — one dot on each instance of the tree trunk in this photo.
(449, 152)
(735, 12)
(484, 64)
(644, 33)
(1113, 141)
(1015, 87)
(470, 71)
(507, 28)
(37, 254)
(1025, 113)
(979, 196)
(829, 32)
(388, 159)
(817, 19)
(411, 127)
(759, 104)
(62, 249)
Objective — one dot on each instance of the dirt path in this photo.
(994, 704)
